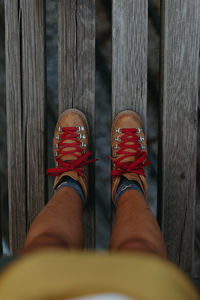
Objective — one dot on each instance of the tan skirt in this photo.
(59, 274)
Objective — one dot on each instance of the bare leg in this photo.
(135, 227)
(59, 224)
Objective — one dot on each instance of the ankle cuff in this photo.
(126, 185)
(70, 182)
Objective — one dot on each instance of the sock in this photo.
(75, 185)
(126, 185)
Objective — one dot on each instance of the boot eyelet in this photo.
(82, 136)
(117, 139)
(142, 147)
(78, 128)
(56, 155)
(56, 164)
(140, 139)
(118, 130)
(139, 130)
(115, 155)
(116, 146)
(57, 137)
(56, 146)
(59, 128)
(83, 144)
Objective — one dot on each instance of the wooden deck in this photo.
(26, 102)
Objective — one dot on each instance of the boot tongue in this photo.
(128, 140)
(72, 174)
(70, 156)
(128, 159)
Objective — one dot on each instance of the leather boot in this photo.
(129, 150)
(71, 149)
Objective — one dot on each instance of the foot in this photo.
(129, 150)
(71, 149)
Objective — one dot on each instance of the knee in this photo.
(141, 245)
(44, 241)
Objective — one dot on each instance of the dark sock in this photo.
(75, 185)
(125, 185)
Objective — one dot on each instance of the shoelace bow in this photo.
(69, 133)
(137, 166)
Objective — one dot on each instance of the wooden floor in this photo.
(178, 103)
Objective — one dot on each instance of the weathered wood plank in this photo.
(15, 135)
(178, 130)
(3, 171)
(33, 88)
(129, 56)
(76, 75)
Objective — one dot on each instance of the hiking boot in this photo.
(129, 150)
(71, 149)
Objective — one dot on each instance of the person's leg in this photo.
(135, 227)
(59, 224)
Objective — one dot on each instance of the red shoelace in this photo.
(137, 166)
(69, 134)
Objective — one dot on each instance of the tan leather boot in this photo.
(71, 149)
(129, 150)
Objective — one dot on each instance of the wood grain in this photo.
(129, 56)
(178, 128)
(25, 90)
(15, 135)
(33, 87)
(76, 75)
